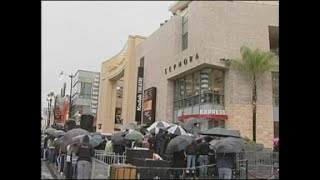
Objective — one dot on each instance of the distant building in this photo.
(85, 92)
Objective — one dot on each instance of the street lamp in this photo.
(70, 105)
(49, 99)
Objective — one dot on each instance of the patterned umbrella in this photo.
(176, 129)
(158, 124)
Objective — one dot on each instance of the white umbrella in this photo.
(158, 124)
(176, 129)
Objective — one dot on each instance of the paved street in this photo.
(45, 172)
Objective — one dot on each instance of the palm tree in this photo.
(254, 63)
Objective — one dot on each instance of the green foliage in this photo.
(255, 61)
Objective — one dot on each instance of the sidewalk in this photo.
(45, 172)
(57, 174)
(51, 168)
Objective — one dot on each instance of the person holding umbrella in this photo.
(152, 142)
(178, 161)
(85, 152)
(226, 150)
(203, 157)
(191, 153)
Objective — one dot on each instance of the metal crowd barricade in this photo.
(111, 158)
(102, 163)
(102, 170)
(99, 152)
(262, 164)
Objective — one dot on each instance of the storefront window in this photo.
(206, 85)
(177, 90)
(196, 83)
(202, 87)
(189, 85)
(182, 88)
(218, 86)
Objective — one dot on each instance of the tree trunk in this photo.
(254, 108)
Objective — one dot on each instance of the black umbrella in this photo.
(59, 133)
(228, 145)
(93, 140)
(118, 138)
(50, 131)
(189, 124)
(179, 143)
(218, 131)
(67, 138)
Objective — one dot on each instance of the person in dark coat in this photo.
(45, 146)
(119, 149)
(152, 142)
(159, 140)
(225, 163)
(191, 152)
(165, 143)
(203, 148)
(85, 152)
(178, 161)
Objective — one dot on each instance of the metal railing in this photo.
(262, 164)
(102, 170)
(111, 158)
(250, 165)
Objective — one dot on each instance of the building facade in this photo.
(85, 93)
(183, 61)
(179, 71)
(117, 99)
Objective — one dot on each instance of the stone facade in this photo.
(123, 66)
(216, 29)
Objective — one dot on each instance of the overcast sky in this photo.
(82, 34)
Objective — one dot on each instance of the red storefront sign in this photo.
(57, 115)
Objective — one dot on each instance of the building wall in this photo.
(122, 65)
(83, 103)
(216, 29)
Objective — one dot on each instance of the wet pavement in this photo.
(45, 172)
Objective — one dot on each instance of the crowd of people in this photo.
(75, 162)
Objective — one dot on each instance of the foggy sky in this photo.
(80, 35)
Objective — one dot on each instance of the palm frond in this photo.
(255, 62)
